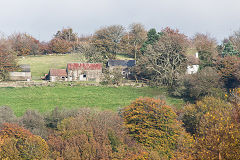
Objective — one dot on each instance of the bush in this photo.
(34, 122)
(56, 116)
(153, 124)
(195, 86)
(7, 115)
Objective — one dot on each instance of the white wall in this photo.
(191, 69)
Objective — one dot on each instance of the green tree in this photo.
(152, 37)
(228, 49)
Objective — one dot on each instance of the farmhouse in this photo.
(122, 65)
(23, 74)
(193, 65)
(84, 71)
(57, 75)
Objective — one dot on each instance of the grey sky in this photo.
(42, 18)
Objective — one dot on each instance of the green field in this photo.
(41, 64)
(44, 99)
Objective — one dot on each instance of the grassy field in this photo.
(44, 99)
(40, 65)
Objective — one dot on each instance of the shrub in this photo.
(18, 143)
(56, 116)
(195, 86)
(153, 124)
(7, 115)
(34, 122)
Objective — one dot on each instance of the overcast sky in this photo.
(42, 18)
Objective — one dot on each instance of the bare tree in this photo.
(166, 59)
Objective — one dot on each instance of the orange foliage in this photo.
(152, 123)
(58, 45)
(93, 136)
(18, 143)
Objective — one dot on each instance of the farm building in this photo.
(57, 75)
(122, 65)
(23, 74)
(84, 71)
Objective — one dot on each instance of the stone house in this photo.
(84, 72)
(123, 66)
(57, 75)
(23, 74)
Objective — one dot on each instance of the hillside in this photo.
(41, 64)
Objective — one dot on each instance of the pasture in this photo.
(45, 99)
(41, 64)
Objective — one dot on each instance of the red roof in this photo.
(58, 72)
(84, 66)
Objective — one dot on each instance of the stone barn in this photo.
(57, 75)
(23, 74)
(84, 71)
(122, 65)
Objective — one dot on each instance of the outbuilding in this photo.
(84, 71)
(57, 75)
(22, 74)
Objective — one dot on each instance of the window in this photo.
(84, 76)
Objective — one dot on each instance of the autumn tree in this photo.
(166, 59)
(18, 143)
(214, 127)
(60, 46)
(107, 40)
(91, 53)
(206, 47)
(134, 39)
(154, 124)
(93, 135)
(24, 44)
(235, 40)
(8, 59)
(228, 68)
(66, 34)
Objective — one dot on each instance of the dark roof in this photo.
(84, 66)
(24, 68)
(58, 72)
(128, 63)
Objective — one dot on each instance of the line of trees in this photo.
(162, 57)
